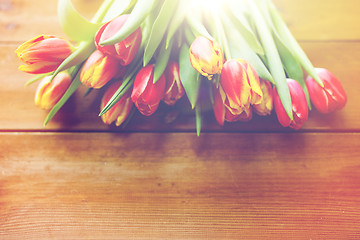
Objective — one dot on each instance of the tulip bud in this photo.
(266, 104)
(121, 110)
(206, 57)
(241, 85)
(299, 106)
(329, 98)
(43, 54)
(223, 111)
(239, 88)
(48, 93)
(146, 95)
(174, 89)
(99, 69)
(125, 50)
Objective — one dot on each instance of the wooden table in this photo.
(78, 179)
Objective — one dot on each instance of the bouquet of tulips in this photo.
(147, 51)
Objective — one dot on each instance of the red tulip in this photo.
(125, 50)
(49, 93)
(174, 89)
(299, 106)
(146, 95)
(329, 98)
(99, 69)
(239, 88)
(43, 54)
(206, 56)
(121, 110)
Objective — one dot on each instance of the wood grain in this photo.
(178, 186)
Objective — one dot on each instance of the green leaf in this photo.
(273, 57)
(176, 21)
(76, 27)
(188, 35)
(118, 8)
(159, 28)
(36, 78)
(162, 61)
(126, 85)
(198, 120)
(196, 25)
(292, 67)
(243, 27)
(137, 16)
(74, 85)
(286, 35)
(240, 49)
(78, 56)
(189, 77)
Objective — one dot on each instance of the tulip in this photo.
(99, 69)
(329, 98)
(146, 95)
(125, 50)
(121, 110)
(48, 93)
(266, 104)
(223, 112)
(299, 106)
(43, 54)
(206, 57)
(239, 88)
(174, 89)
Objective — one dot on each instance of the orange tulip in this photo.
(146, 95)
(43, 54)
(299, 106)
(121, 110)
(331, 97)
(206, 57)
(174, 89)
(49, 93)
(99, 69)
(125, 50)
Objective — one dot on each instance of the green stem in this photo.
(103, 9)
(299, 53)
(221, 35)
(273, 58)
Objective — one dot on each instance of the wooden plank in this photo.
(308, 20)
(19, 112)
(321, 20)
(179, 186)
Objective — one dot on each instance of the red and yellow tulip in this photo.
(121, 110)
(43, 54)
(146, 95)
(48, 93)
(206, 56)
(125, 50)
